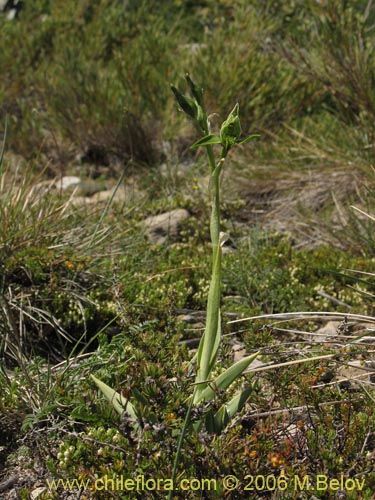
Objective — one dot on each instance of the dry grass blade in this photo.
(39, 228)
(272, 366)
(295, 409)
(364, 213)
(307, 315)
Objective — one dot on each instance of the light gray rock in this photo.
(38, 492)
(326, 332)
(160, 228)
(357, 371)
(89, 187)
(71, 184)
(84, 187)
(239, 351)
(12, 14)
(68, 182)
(124, 194)
(11, 8)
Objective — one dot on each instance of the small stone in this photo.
(124, 194)
(38, 492)
(328, 330)
(159, 228)
(239, 351)
(68, 182)
(355, 371)
(187, 318)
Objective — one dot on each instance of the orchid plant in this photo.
(206, 387)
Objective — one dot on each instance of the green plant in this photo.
(206, 384)
(230, 133)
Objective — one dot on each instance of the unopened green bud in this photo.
(196, 91)
(186, 103)
(231, 129)
(192, 106)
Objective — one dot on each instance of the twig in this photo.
(338, 302)
(298, 408)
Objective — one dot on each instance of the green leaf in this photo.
(139, 397)
(238, 402)
(210, 422)
(225, 414)
(224, 380)
(243, 141)
(215, 424)
(207, 140)
(214, 344)
(119, 403)
(221, 419)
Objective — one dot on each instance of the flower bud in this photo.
(231, 129)
(196, 91)
(186, 103)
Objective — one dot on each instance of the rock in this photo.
(12, 7)
(330, 329)
(193, 48)
(195, 322)
(12, 14)
(68, 182)
(255, 365)
(239, 351)
(38, 492)
(357, 371)
(227, 249)
(85, 187)
(187, 318)
(124, 194)
(160, 228)
(81, 189)
(342, 329)
(89, 187)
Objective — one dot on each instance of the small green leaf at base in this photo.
(215, 424)
(237, 403)
(224, 380)
(119, 403)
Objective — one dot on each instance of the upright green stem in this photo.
(230, 132)
(209, 344)
(215, 212)
(215, 204)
